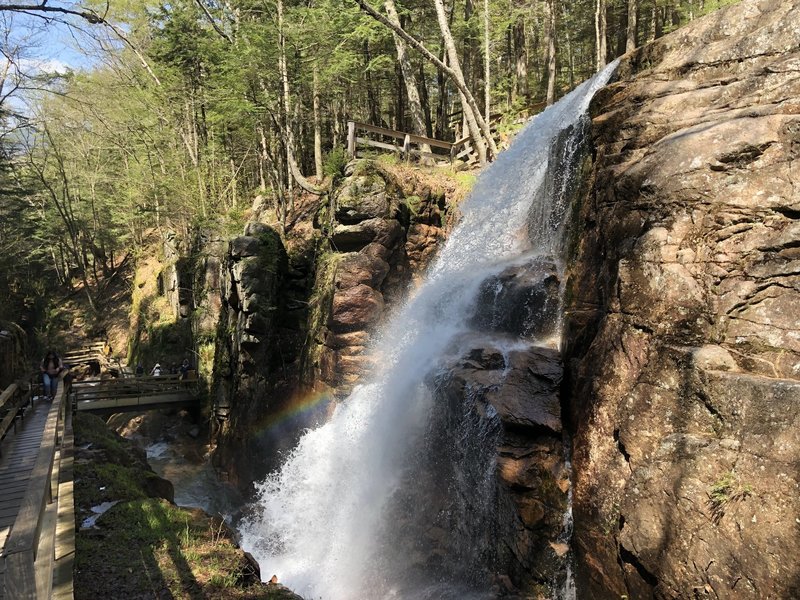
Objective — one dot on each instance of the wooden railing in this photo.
(132, 393)
(91, 351)
(411, 145)
(30, 552)
(14, 401)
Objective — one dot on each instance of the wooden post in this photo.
(351, 139)
(407, 147)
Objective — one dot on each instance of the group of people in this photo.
(158, 370)
(52, 368)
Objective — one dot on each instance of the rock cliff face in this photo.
(383, 234)
(683, 354)
(259, 336)
(299, 309)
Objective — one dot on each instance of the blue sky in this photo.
(35, 46)
(52, 46)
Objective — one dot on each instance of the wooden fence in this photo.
(14, 401)
(411, 145)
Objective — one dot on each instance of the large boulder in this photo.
(362, 197)
(351, 238)
(356, 308)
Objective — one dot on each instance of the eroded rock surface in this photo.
(486, 500)
(684, 352)
(384, 233)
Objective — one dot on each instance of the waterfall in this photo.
(338, 520)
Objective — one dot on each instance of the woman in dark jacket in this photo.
(51, 367)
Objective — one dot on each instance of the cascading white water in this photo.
(319, 522)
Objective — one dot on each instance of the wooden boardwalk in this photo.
(37, 517)
(19, 452)
(134, 394)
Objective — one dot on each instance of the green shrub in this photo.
(334, 163)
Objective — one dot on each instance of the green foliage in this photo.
(724, 491)
(413, 203)
(334, 163)
(114, 154)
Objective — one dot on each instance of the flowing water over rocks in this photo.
(444, 475)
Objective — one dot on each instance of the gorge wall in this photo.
(682, 344)
(299, 309)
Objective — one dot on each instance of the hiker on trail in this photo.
(156, 372)
(51, 367)
(139, 369)
(185, 368)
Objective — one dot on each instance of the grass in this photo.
(146, 547)
(724, 491)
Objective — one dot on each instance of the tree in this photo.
(600, 34)
(631, 30)
(409, 78)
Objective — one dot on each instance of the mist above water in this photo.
(326, 522)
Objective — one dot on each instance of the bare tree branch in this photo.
(88, 15)
(213, 21)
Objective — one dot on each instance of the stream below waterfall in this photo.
(196, 484)
(395, 496)
(176, 451)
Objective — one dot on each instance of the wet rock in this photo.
(522, 385)
(523, 299)
(157, 487)
(422, 241)
(277, 591)
(500, 395)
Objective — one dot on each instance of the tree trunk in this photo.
(294, 170)
(520, 60)
(600, 34)
(487, 59)
(570, 51)
(453, 74)
(372, 102)
(442, 115)
(469, 113)
(426, 102)
(407, 70)
(317, 127)
(551, 50)
(630, 38)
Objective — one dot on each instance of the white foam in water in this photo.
(317, 523)
(157, 450)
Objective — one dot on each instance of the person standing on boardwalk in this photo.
(51, 367)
